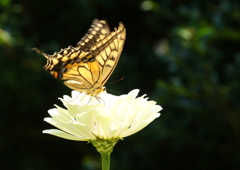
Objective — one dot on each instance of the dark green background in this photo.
(185, 54)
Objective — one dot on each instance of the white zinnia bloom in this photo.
(107, 117)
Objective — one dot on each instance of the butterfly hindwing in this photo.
(98, 31)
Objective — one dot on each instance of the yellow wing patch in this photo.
(88, 66)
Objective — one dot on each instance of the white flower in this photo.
(107, 117)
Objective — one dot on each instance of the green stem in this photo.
(105, 160)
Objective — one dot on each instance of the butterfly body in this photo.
(88, 66)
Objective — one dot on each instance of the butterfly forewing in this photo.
(108, 52)
(98, 31)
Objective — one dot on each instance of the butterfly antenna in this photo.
(116, 80)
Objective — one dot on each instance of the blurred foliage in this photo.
(183, 54)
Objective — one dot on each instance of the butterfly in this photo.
(88, 66)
